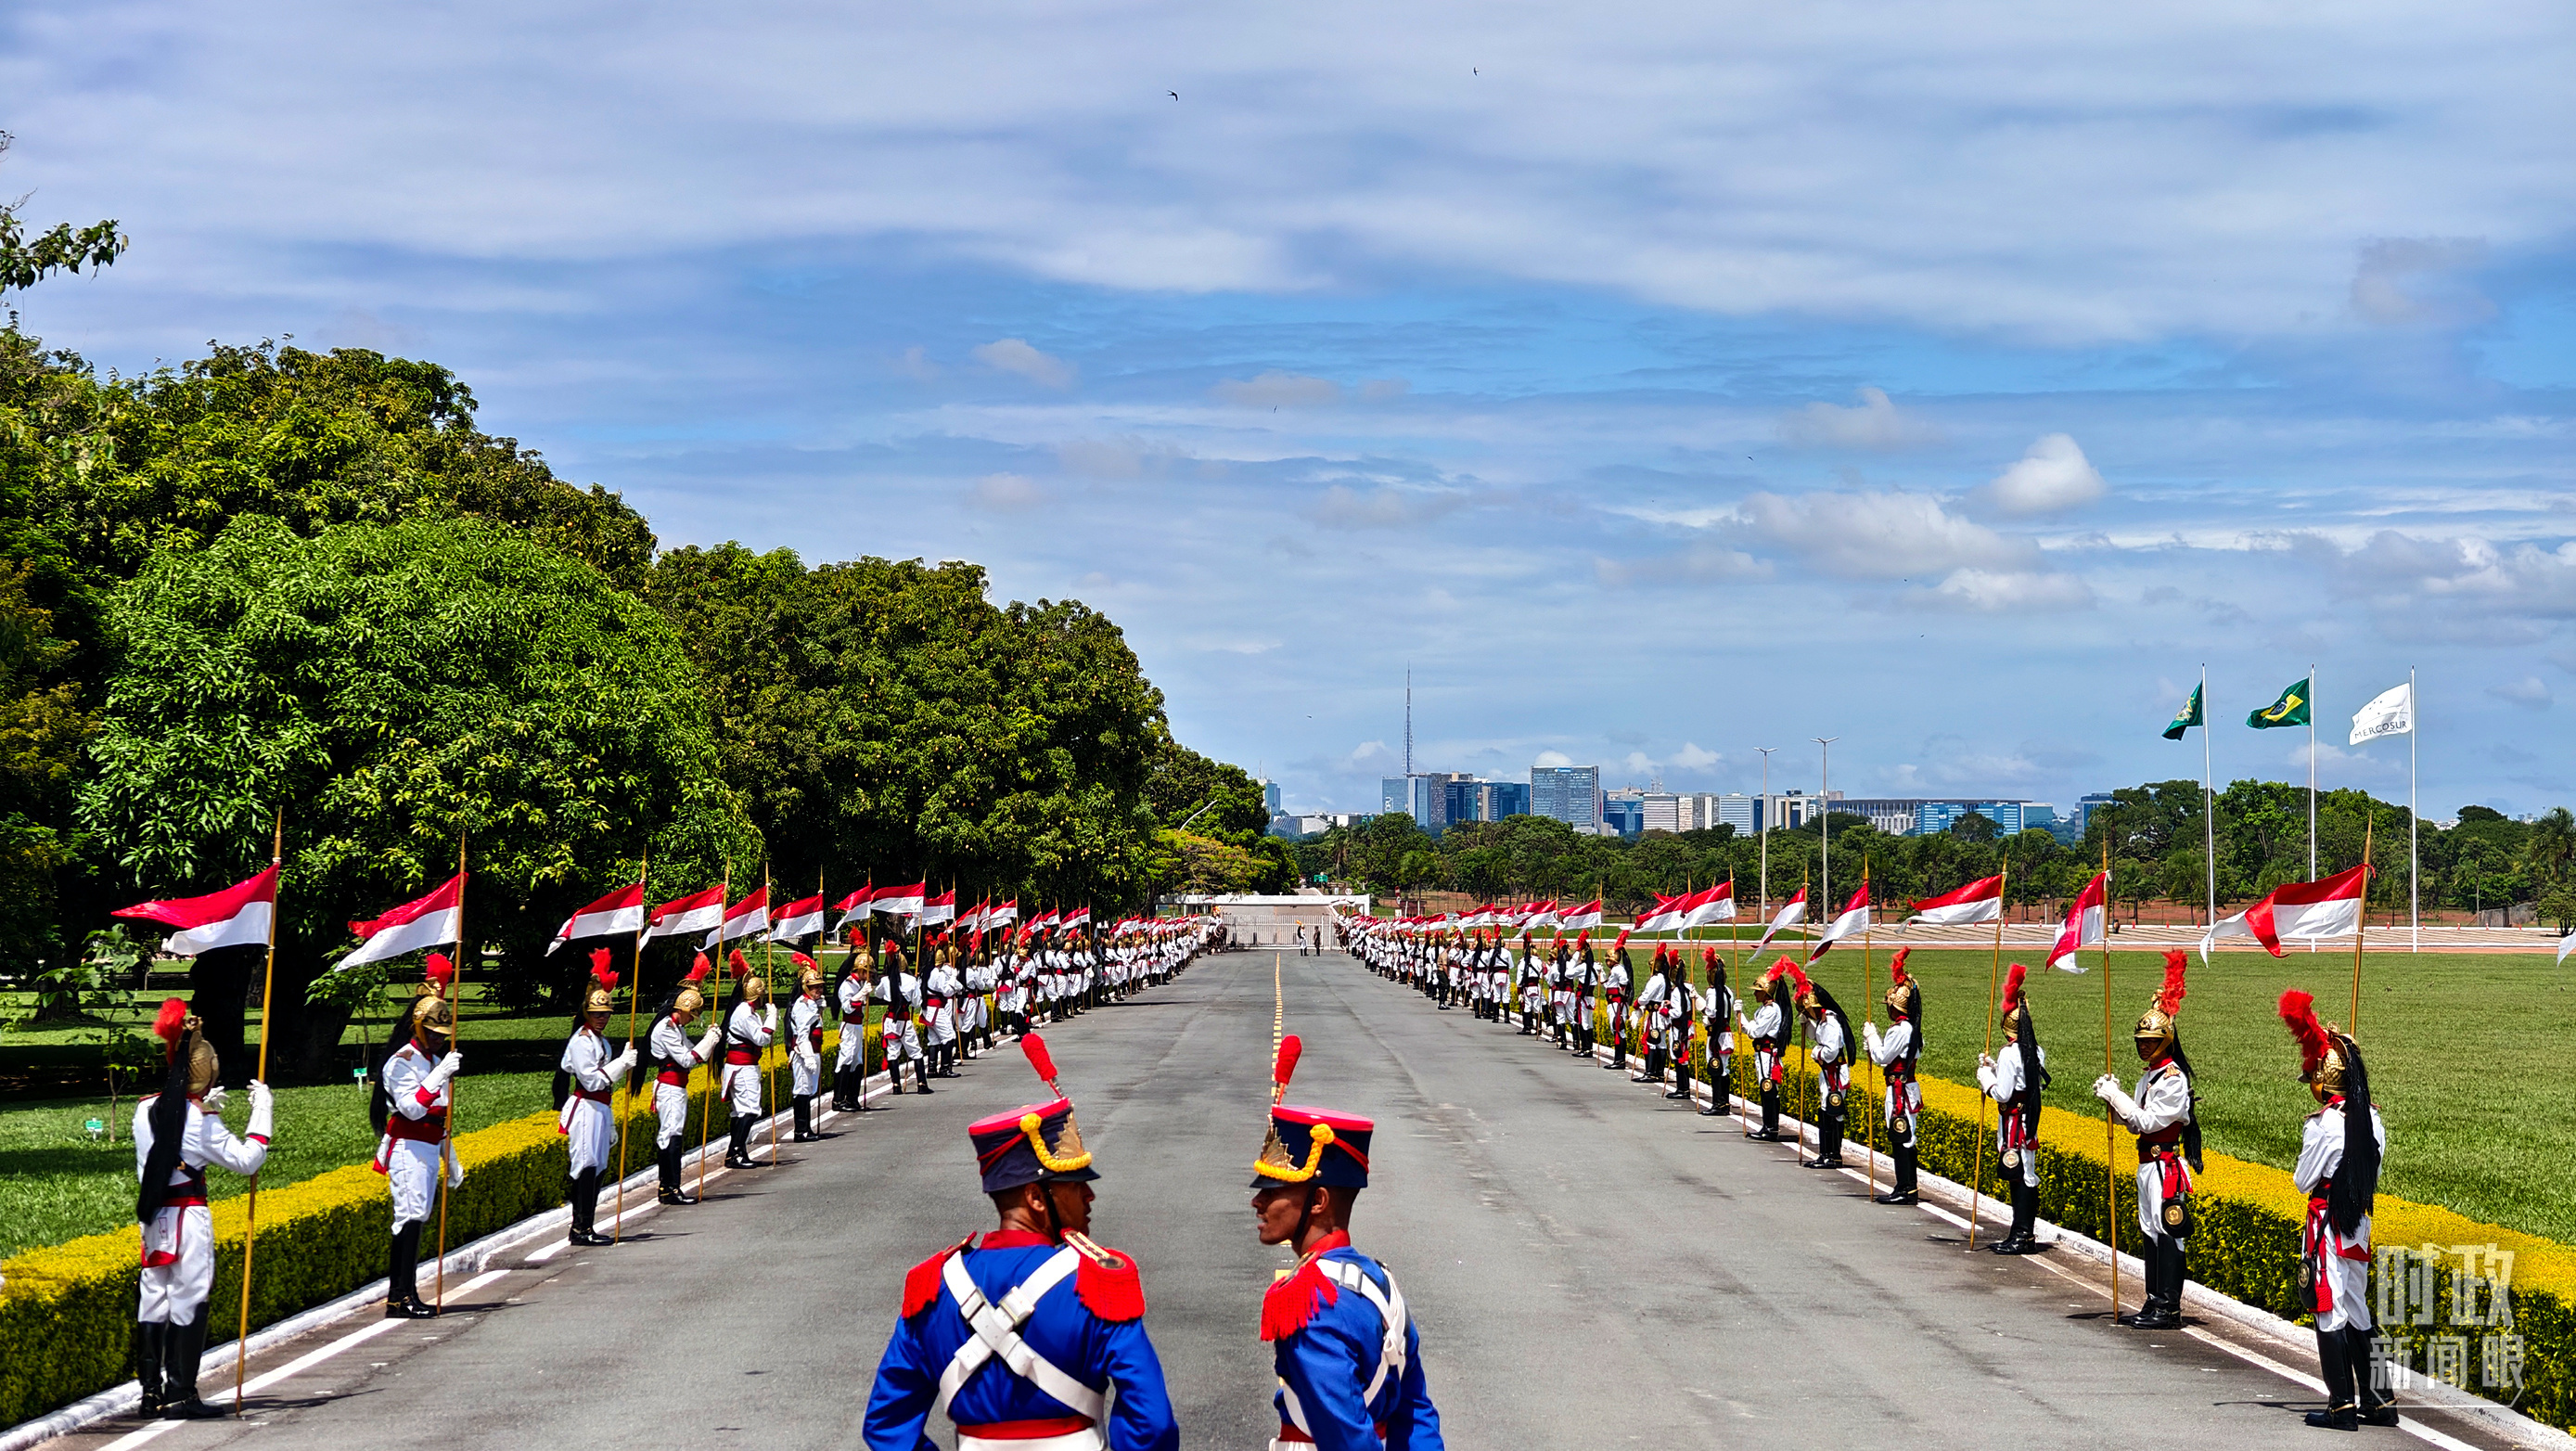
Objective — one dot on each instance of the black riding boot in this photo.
(1829, 1140)
(921, 1075)
(2378, 1406)
(1902, 1190)
(583, 1197)
(738, 1148)
(186, 1349)
(402, 1277)
(150, 1337)
(1770, 1112)
(2334, 1367)
(804, 1105)
(674, 1189)
(1681, 1079)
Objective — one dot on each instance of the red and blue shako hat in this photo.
(1309, 1145)
(1034, 1142)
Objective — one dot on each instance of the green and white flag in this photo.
(2290, 710)
(2189, 716)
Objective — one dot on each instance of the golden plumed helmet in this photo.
(691, 999)
(1904, 994)
(2325, 1055)
(183, 1035)
(601, 995)
(2160, 1023)
(809, 978)
(862, 961)
(755, 988)
(438, 978)
(2016, 1007)
(433, 1020)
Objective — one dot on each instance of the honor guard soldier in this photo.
(1618, 979)
(750, 1026)
(1019, 1340)
(850, 1064)
(1768, 1031)
(674, 1056)
(1343, 1344)
(178, 1132)
(586, 1081)
(900, 991)
(941, 987)
(1717, 1022)
(1831, 1055)
(409, 1107)
(2015, 1081)
(1654, 1004)
(1897, 1052)
(805, 1046)
(2160, 1114)
(2339, 1156)
(1533, 993)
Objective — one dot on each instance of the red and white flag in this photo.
(237, 916)
(1540, 914)
(904, 901)
(1587, 915)
(2085, 919)
(1043, 922)
(797, 919)
(422, 922)
(692, 913)
(934, 910)
(619, 914)
(1712, 904)
(972, 919)
(1075, 917)
(742, 919)
(1791, 913)
(2306, 911)
(1852, 923)
(1979, 901)
(1667, 915)
(854, 906)
(1004, 914)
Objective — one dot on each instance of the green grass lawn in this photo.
(2458, 1047)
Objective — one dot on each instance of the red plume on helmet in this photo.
(741, 967)
(600, 972)
(172, 1024)
(441, 972)
(1040, 1059)
(2169, 997)
(699, 969)
(1284, 1067)
(800, 959)
(2299, 1010)
(1896, 968)
(1623, 939)
(2012, 987)
(1582, 939)
(1708, 957)
(1798, 984)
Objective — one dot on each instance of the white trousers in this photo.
(173, 1292)
(411, 1172)
(902, 1041)
(943, 1024)
(742, 1089)
(807, 1072)
(592, 1132)
(854, 1041)
(671, 1113)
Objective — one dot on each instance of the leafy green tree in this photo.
(2550, 849)
(392, 687)
(26, 261)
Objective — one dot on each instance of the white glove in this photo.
(1985, 1060)
(1869, 1035)
(455, 1169)
(621, 1065)
(2105, 1086)
(769, 1018)
(446, 1069)
(262, 1104)
(707, 1044)
(212, 1100)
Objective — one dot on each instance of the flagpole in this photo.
(2312, 792)
(2414, 874)
(1976, 1196)
(2208, 820)
(634, 1002)
(768, 960)
(1763, 890)
(250, 1220)
(455, 1037)
(2361, 923)
(2110, 1179)
(707, 1112)
(1868, 1016)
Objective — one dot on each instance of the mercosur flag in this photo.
(2187, 717)
(2290, 710)
(2390, 713)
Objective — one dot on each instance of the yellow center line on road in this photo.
(1278, 1006)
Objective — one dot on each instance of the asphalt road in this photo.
(1589, 1263)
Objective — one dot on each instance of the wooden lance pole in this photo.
(2361, 921)
(634, 1003)
(1977, 1195)
(250, 1220)
(455, 1043)
(1868, 1016)
(707, 1113)
(2110, 1173)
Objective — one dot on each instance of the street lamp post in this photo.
(1825, 822)
(1765, 889)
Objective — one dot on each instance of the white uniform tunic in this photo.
(943, 988)
(804, 1058)
(1904, 1096)
(179, 1243)
(746, 1033)
(901, 994)
(2162, 1101)
(1831, 1055)
(1766, 1027)
(2341, 1263)
(852, 995)
(673, 1056)
(2003, 1082)
(416, 1137)
(585, 1119)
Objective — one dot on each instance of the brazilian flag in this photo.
(2290, 710)
(2187, 717)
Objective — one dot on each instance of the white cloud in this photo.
(1639, 763)
(1276, 389)
(916, 363)
(1011, 355)
(1996, 591)
(2053, 476)
(1873, 423)
(1551, 760)
(2464, 588)
(1881, 536)
(2530, 692)
(1006, 494)
(1691, 758)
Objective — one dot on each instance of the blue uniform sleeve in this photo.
(899, 1405)
(1414, 1423)
(1322, 1368)
(1142, 1419)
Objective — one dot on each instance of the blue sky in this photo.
(1659, 381)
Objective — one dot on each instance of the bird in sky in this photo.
(1176, 95)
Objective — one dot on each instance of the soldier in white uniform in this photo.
(674, 1056)
(1717, 1025)
(1768, 1031)
(2014, 1082)
(751, 1025)
(2340, 1149)
(178, 1132)
(805, 1046)
(1654, 1003)
(586, 1082)
(1897, 1052)
(410, 1109)
(941, 989)
(900, 993)
(1831, 1053)
(850, 1064)
(2160, 1114)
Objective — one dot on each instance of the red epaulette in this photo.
(1289, 1304)
(921, 1282)
(1106, 1281)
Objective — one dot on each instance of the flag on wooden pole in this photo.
(237, 916)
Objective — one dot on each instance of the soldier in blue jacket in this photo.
(1344, 1345)
(1019, 1339)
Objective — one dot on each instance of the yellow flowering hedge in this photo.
(67, 1311)
(2245, 1242)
